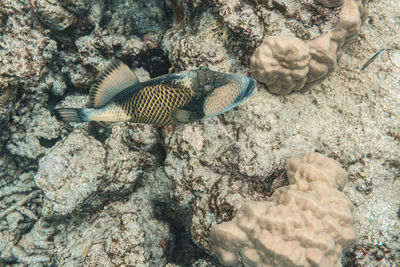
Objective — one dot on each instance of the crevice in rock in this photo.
(349, 258)
(183, 251)
(155, 61)
(48, 142)
(99, 132)
(52, 99)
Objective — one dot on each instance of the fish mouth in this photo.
(251, 88)
(248, 90)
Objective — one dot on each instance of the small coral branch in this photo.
(19, 206)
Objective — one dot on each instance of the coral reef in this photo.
(281, 63)
(205, 48)
(79, 171)
(76, 180)
(305, 224)
(173, 185)
(124, 233)
(23, 51)
(222, 174)
(289, 64)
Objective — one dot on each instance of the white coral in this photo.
(304, 224)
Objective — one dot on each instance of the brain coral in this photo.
(306, 223)
(282, 63)
(287, 64)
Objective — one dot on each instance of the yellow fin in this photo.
(115, 78)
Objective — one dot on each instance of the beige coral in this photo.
(282, 63)
(273, 65)
(304, 224)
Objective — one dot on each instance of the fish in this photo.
(372, 59)
(191, 95)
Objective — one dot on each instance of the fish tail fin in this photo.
(71, 114)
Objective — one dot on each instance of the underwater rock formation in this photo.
(205, 48)
(79, 171)
(215, 166)
(126, 232)
(68, 174)
(176, 184)
(23, 54)
(122, 233)
(306, 223)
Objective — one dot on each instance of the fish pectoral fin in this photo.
(114, 79)
(181, 115)
(104, 124)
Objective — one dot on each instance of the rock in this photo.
(53, 14)
(205, 48)
(70, 174)
(79, 172)
(123, 233)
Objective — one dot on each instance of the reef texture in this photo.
(88, 194)
(77, 172)
(290, 64)
(205, 48)
(123, 233)
(76, 226)
(306, 223)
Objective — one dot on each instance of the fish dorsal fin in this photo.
(115, 78)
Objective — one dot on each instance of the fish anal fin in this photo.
(104, 124)
(114, 79)
(181, 115)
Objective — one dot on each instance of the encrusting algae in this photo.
(173, 98)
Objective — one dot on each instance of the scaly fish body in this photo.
(172, 98)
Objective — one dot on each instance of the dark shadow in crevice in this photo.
(48, 142)
(182, 251)
(155, 61)
(53, 100)
(349, 258)
(99, 131)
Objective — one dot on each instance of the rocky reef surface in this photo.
(130, 194)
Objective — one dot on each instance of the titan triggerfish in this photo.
(173, 98)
